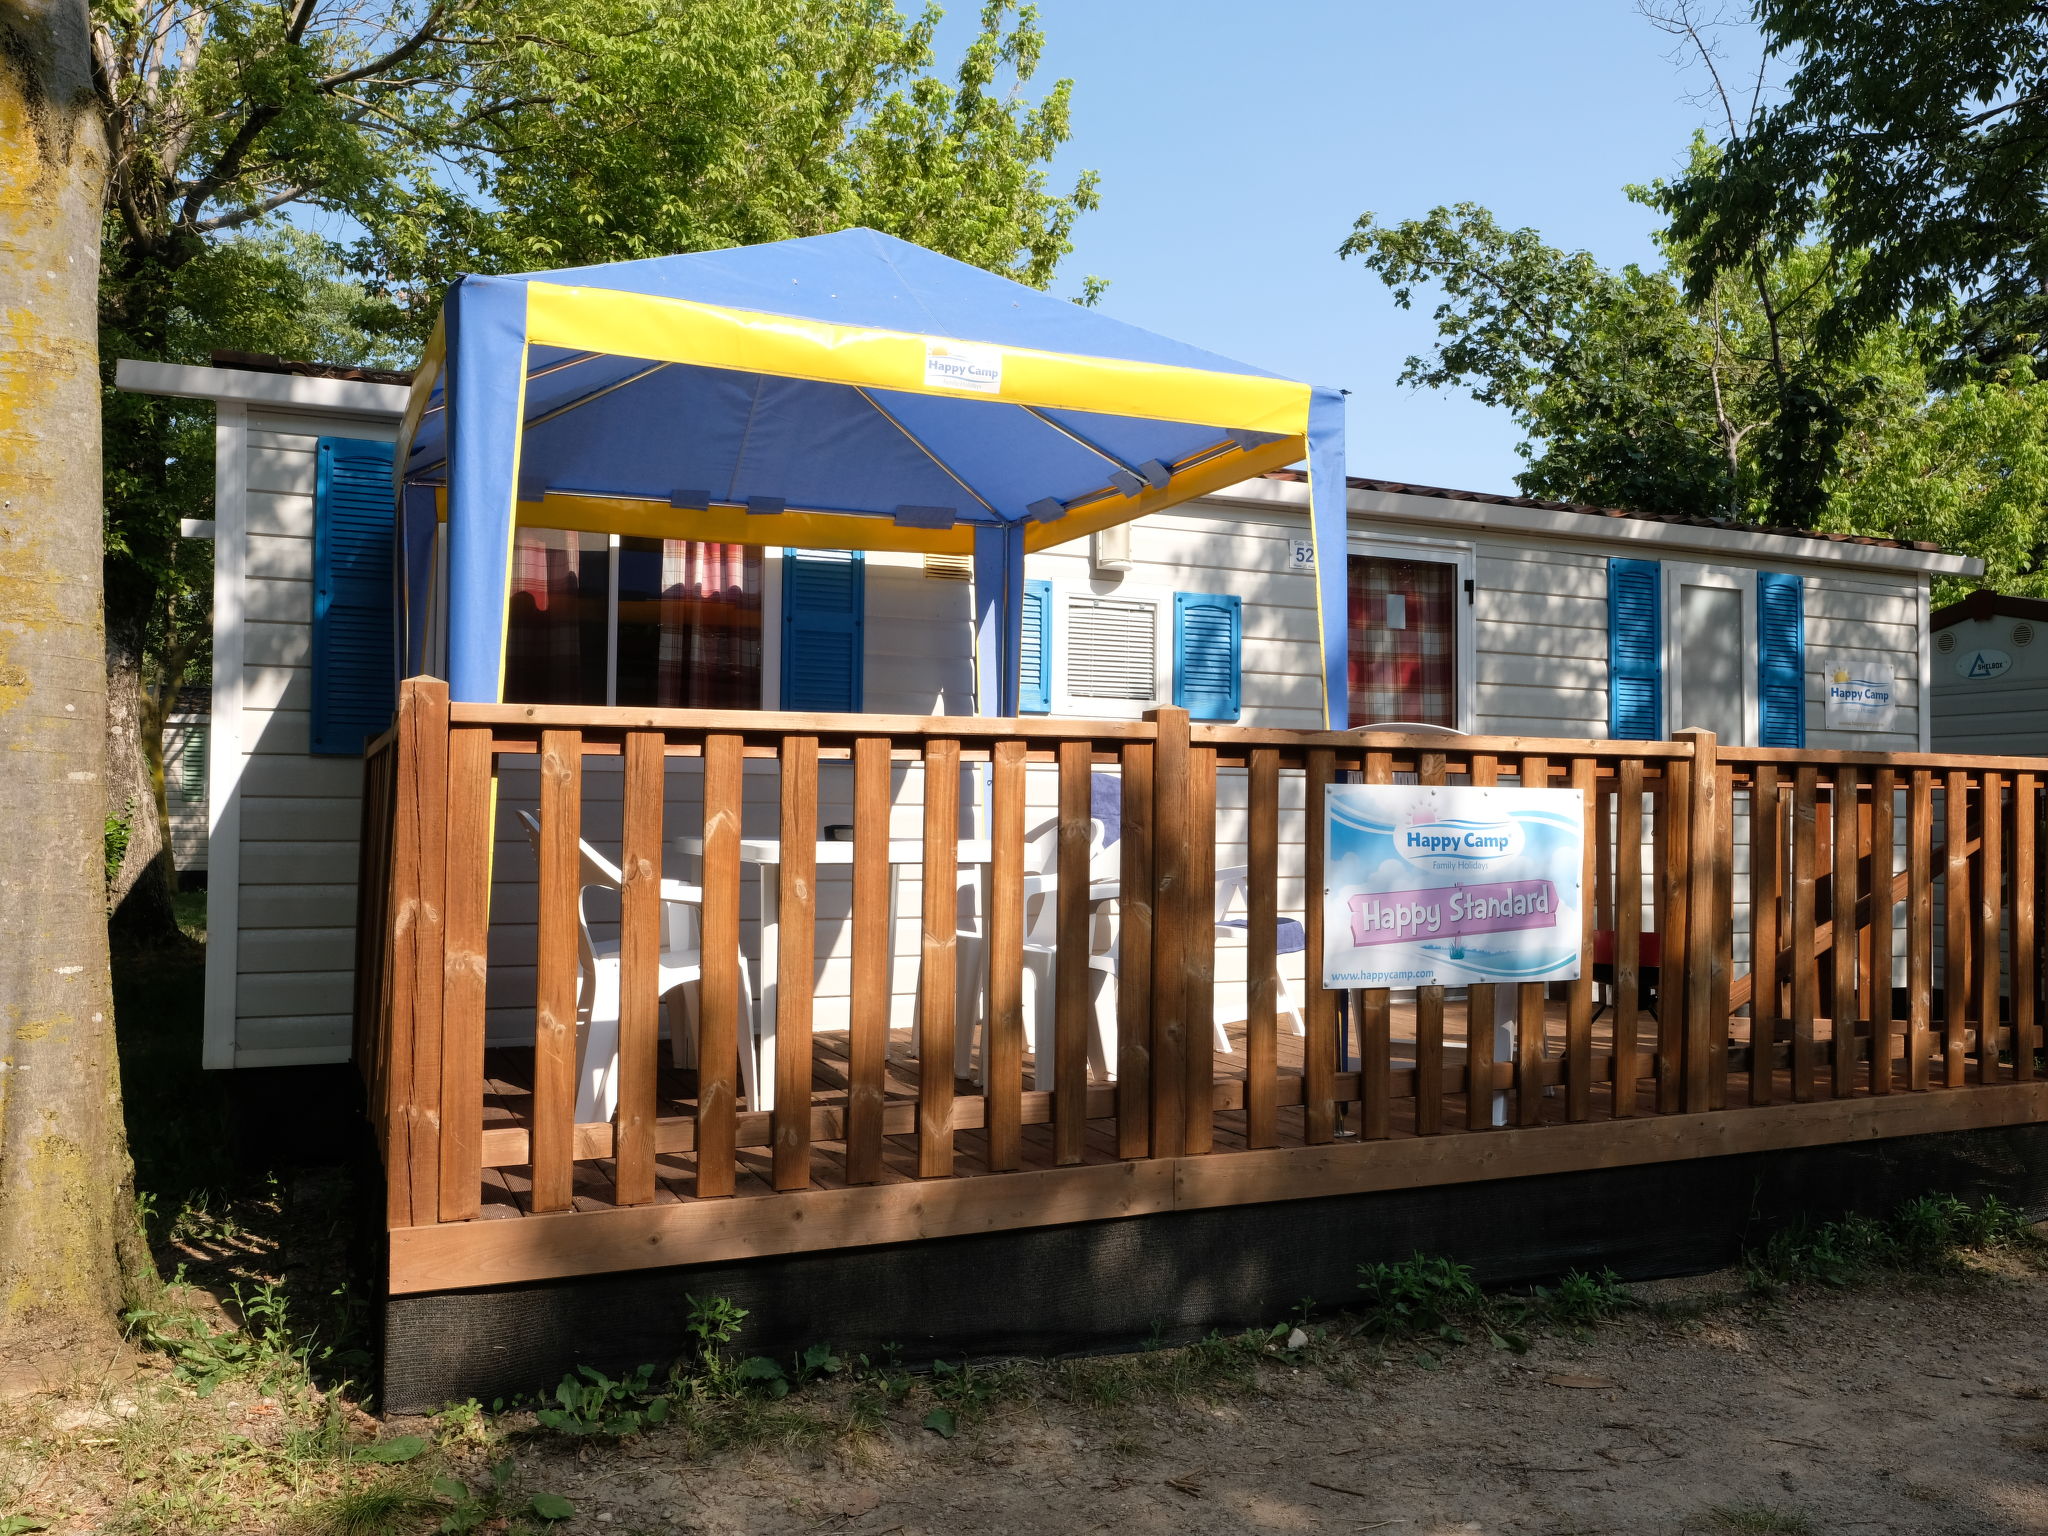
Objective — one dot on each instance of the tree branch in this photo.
(270, 204)
(398, 55)
(225, 168)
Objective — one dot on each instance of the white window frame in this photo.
(1066, 704)
(1455, 553)
(1677, 576)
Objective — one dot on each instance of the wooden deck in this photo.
(509, 1101)
(1896, 893)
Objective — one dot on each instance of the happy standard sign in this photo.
(1435, 886)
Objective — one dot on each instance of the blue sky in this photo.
(1238, 143)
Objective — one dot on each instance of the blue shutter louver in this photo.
(1635, 650)
(824, 601)
(355, 641)
(1208, 633)
(1780, 660)
(1034, 654)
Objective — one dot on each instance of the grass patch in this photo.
(1930, 1235)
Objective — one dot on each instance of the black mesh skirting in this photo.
(1110, 1284)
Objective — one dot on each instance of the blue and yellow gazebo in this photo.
(846, 391)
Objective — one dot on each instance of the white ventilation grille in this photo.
(949, 567)
(1112, 648)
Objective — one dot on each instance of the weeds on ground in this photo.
(1580, 1300)
(1426, 1298)
(1929, 1235)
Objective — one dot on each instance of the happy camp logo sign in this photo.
(1433, 885)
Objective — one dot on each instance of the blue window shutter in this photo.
(1635, 650)
(1034, 656)
(1780, 660)
(1208, 632)
(355, 639)
(824, 610)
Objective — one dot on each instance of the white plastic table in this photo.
(972, 856)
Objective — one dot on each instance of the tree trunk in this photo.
(139, 891)
(65, 1208)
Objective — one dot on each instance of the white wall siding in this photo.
(2004, 714)
(300, 814)
(1539, 629)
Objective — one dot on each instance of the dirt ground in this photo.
(1900, 1405)
(1892, 1408)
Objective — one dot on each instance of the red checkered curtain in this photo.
(1403, 641)
(708, 655)
(555, 639)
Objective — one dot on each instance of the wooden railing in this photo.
(1889, 903)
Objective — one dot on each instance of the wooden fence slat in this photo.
(1198, 1128)
(1003, 1046)
(1530, 1011)
(1135, 929)
(1990, 921)
(1766, 891)
(1578, 1026)
(1805, 964)
(2024, 940)
(938, 980)
(1629, 1061)
(1955, 971)
(867, 1046)
(1919, 926)
(1481, 1003)
(1429, 1010)
(640, 863)
(1878, 978)
(1319, 1048)
(1262, 960)
(556, 966)
(718, 1043)
(467, 932)
(1674, 873)
(795, 961)
(1842, 911)
(1721, 974)
(1706, 805)
(1071, 972)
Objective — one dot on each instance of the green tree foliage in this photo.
(437, 137)
(1913, 132)
(1633, 394)
(1967, 469)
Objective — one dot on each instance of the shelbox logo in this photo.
(950, 365)
(1456, 843)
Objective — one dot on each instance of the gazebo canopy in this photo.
(845, 391)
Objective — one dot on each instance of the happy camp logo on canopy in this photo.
(955, 365)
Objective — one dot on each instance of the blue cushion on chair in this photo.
(1291, 938)
(1106, 805)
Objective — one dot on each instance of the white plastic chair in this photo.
(678, 967)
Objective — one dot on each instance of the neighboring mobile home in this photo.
(184, 748)
(1486, 614)
(1989, 686)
